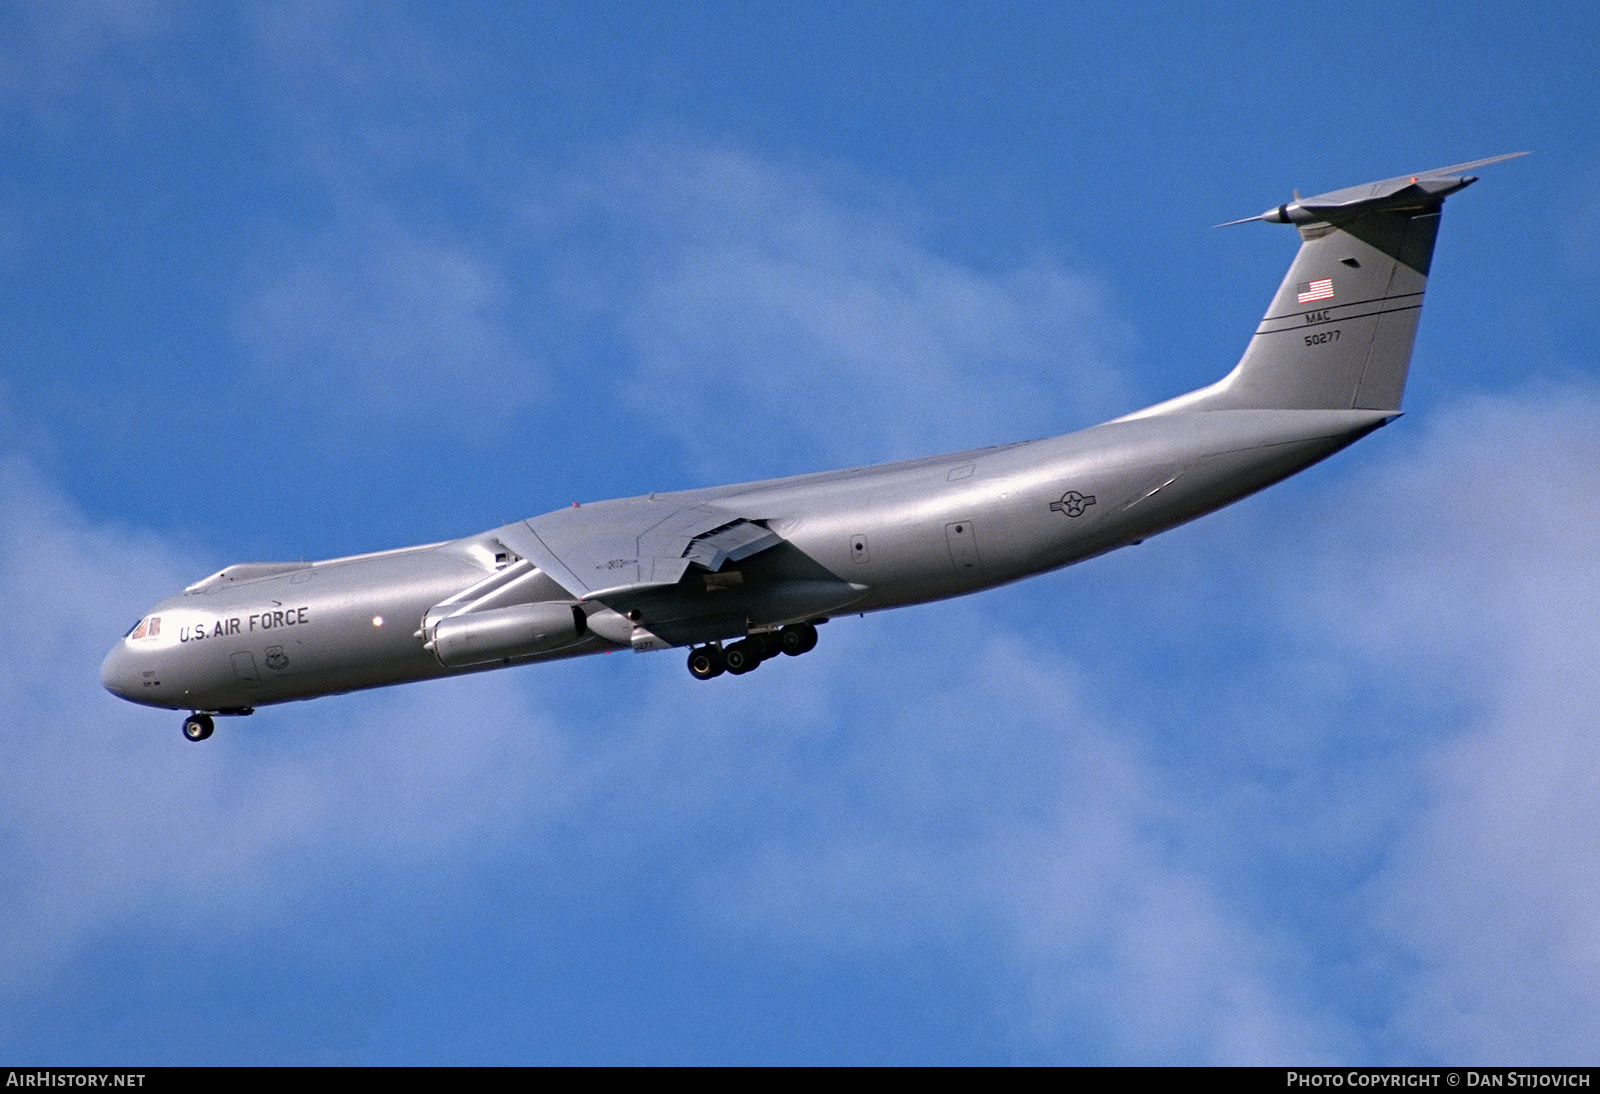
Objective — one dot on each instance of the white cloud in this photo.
(74, 54)
(384, 323)
(986, 804)
(367, 91)
(782, 313)
(1491, 895)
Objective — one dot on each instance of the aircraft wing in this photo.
(605, 549)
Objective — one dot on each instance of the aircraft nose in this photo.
(117, 673)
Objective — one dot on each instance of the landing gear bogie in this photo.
(747, 654)
(198, 726)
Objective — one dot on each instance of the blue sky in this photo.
(1312, 780)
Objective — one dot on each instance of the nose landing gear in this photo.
(198, 726)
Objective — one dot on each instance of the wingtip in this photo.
(1476, 163)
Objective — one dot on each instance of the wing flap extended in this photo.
(732, 542)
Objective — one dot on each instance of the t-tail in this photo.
(1339, 332)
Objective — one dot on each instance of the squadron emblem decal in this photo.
(1072, 503)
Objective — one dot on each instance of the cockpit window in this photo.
(149, 627)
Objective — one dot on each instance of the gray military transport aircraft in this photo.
(739, 574)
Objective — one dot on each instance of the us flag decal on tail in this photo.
(1316, 290)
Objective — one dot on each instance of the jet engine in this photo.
(501, 634)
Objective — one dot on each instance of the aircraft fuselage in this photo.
(860, 540)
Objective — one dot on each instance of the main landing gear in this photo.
(744, 655)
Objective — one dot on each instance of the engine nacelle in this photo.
(501, 633)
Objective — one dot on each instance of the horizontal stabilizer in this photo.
(1423, 192)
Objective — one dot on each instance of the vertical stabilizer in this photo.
(1338, 335)
(1339, 332)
